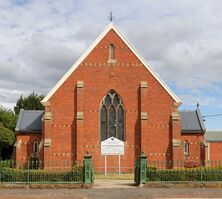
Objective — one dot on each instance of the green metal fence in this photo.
(176, 171)
(46, 172)
(188, 170)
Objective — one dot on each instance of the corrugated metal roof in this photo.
(213, 136)
(191, 121)
(29, 121)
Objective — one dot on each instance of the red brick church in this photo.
(111, 91)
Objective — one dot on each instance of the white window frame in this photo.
(186, 147)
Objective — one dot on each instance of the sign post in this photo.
(105, 166)
(119, 164)
(112, 146)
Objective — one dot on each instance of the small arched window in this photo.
(112, 117)
(111, 52)
(35, 149)
(186, 147)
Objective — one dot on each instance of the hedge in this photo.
(197, 174)
(19, 175)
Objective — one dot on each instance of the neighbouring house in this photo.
(111, 91)
(213, 141)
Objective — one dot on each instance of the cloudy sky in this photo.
(182, 41)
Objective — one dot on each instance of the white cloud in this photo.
(181, 39)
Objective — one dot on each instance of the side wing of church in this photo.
(111, 92)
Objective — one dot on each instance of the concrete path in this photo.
(105, 183)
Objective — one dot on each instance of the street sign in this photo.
(112, 146)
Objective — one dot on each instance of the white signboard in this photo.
(112, 146)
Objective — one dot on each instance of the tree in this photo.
(7, 126)
(8, 118)
(7, 138)
(32, 102)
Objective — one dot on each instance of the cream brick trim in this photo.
(80, 84)
(144, 116)
(47, 142)
(175, 116)
(18, 143)
(177, 104)
(48, 116)
(111, 26)
(208, 152)
(176, 143)
(111, 61)
(143, 84)
(80, 115)
(206, 144)
(40, 144)
(46, 103)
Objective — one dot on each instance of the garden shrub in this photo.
(196, 174)
(20, 175)
(191, 164)
(6, 163)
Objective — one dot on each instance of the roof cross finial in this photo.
(111, 16)
(198, 105)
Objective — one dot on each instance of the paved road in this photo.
(112, 193)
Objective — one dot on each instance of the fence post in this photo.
(87, 169)
(143, 168)
(135, 171)
(28, 170)
(92, 172)
(1, 172)
(201, 172)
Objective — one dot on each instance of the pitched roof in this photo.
(29, 121)
(213, 136)
(111, 26)
(192, 121)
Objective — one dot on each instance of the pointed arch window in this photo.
(112, 117)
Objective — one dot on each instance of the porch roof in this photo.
(192, 121)
(29, 121)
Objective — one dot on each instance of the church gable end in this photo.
(139, 110)
(113, 49)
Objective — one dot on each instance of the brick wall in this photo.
(196, 146)
(215, 151)
(71, 138)
(24, 147)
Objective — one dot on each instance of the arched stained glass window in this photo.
(120, 122)
(108, 100)
(112, 122)
(112, 117)
(103, 114)
(116, 100)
